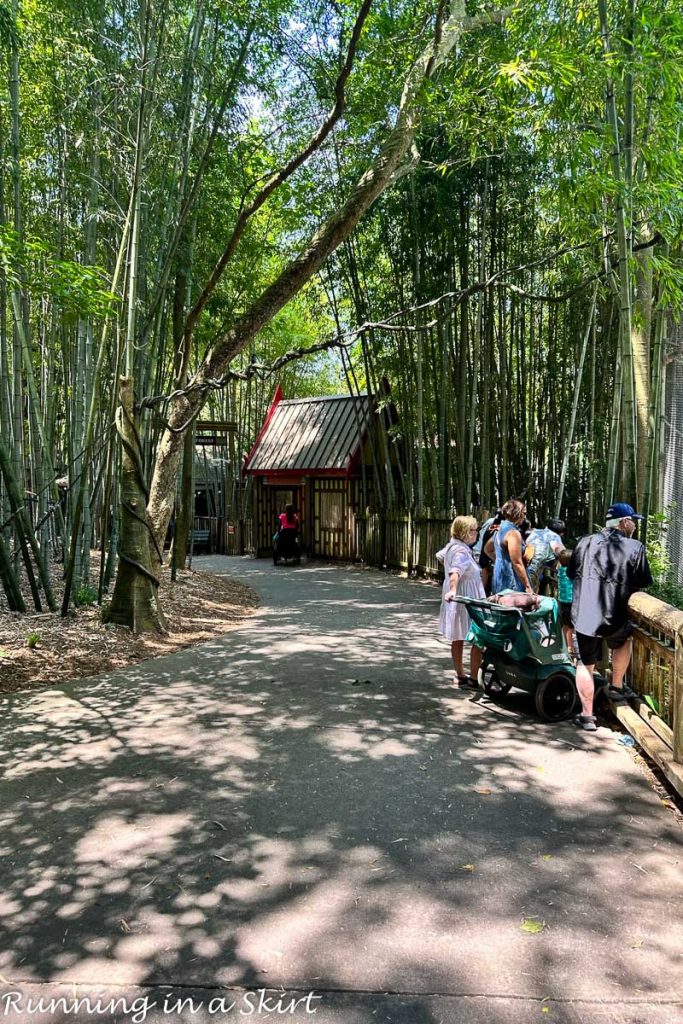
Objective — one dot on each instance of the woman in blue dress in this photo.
(507, 546)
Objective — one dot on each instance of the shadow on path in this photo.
(307, 803)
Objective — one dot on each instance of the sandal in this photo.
(586, 722)
(467, 683)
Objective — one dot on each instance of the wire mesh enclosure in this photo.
(672, 477)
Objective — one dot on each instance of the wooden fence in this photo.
(399, 540)
(656, 674)
(225, 537)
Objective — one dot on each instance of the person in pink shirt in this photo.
(289, 520)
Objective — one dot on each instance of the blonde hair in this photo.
(462, 525)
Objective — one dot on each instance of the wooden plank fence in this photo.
(399, 540)
(225, 536)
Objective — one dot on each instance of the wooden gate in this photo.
(331, 527)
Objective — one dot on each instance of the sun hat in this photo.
(621, 510)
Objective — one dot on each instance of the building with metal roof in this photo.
(316, 454)
(309, 434)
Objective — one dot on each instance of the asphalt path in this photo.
(303, 820)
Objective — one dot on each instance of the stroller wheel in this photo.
(556, 697)
(490, 683)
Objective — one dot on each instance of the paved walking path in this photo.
(306, 805)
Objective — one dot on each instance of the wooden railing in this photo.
(656, 671)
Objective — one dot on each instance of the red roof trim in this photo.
(277, 398)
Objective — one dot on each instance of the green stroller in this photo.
(525, 649)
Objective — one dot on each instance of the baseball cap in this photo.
(621, 510)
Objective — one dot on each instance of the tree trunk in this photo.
(24, 530)
(575, 405)
(624, 243)
(477, 344)
(10, 583)
(17, 291)
(134, 602)
(656, 391)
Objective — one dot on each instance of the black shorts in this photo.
(590, 647)
(565, 613)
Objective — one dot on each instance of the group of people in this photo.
(595, 581)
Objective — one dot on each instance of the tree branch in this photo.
(284, 173)
(347, 338)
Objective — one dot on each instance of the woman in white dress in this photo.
(462, 577)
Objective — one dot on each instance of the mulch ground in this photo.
(197, 606)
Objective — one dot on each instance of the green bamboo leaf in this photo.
(532, 925)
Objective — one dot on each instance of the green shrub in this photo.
(665, 586)
(32, 641)
(85, 596)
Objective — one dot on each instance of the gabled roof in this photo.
(310, 434)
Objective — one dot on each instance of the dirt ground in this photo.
(39, 649)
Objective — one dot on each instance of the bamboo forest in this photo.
(341, 511)
(473, 214)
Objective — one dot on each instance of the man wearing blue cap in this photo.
(606, 568)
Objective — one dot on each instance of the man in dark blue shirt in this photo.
(606, 568)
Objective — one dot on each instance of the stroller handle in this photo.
(488, 605)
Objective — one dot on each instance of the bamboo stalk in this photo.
(575, 405)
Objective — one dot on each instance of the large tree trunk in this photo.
(134, 602)
(378, 176)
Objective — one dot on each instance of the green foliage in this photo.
(8, 30)
(514, 150)
(85, 596)
(76, 289)
(32, 640)
(665, 586)
(652, 703)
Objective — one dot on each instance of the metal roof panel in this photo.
(312, 433)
